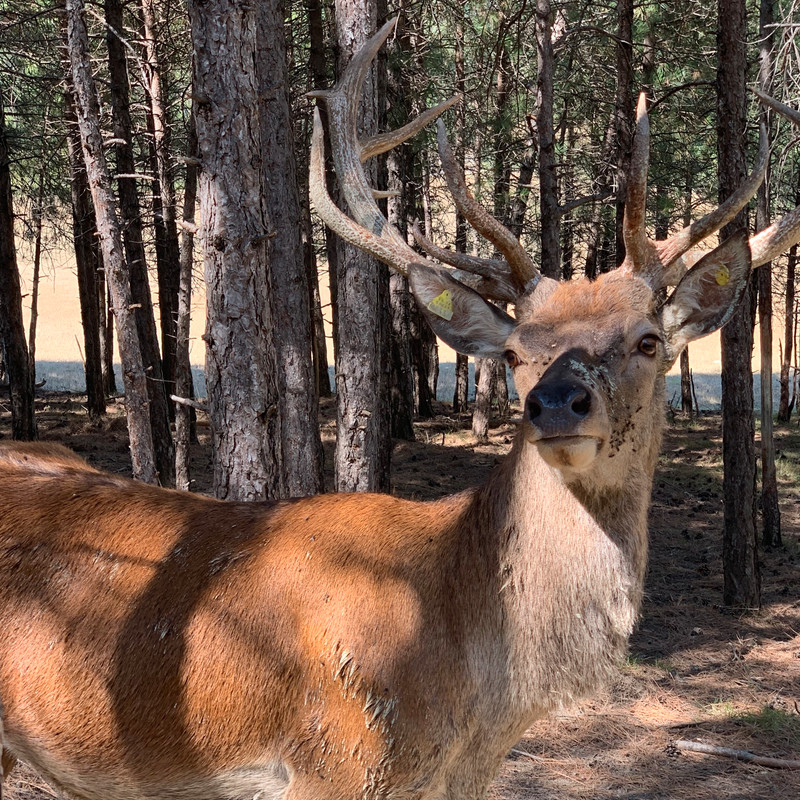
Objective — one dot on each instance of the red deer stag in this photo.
(161, 645)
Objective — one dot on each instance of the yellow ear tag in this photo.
(442, 305)
(722, 276)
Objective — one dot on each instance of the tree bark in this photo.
(290, 292)
(241, 375)
(740, 546)
(167, 243)
(548, 181)
(398, 168)
(784, 405)
(485, 376)
(84, 231)
(363, 441)
(184, 386)
(770, 511)
(136, 398)
(130, 213)
(624, 111)
(12, 330)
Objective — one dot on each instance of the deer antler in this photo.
(367, 228)
(651, 259)
(523, 270)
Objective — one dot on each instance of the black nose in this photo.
(562, 399)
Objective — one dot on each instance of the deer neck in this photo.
(569, 565)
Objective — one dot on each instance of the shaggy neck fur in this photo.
(571, 565)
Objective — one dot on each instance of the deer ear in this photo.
(708, 293)
(459, 315)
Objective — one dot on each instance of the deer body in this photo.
(160, 644)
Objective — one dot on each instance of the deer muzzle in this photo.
(565, 419)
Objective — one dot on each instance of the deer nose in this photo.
(555, 407)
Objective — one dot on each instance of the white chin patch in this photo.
(569, 452)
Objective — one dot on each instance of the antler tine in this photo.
(523, 270)
(639, 252)
(493, 270)
(368, 228)
(383, 142)
(388, 251)
(676, 245)
(776, 239)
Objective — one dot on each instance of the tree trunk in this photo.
(740, 546)
(421, 348)
(624, 110)
(130, 213)
(770, 512)
(398, 168)
(686, 384)
(168, 246)
(363, 441)
(548, 181)
(136, 398)
(241, 375)
(37, 262)
(485, 378)
(106, 326)
(784, 405)
(184, 386)
(84, 232)
(12, 330)
(290, 293)
(687, 403)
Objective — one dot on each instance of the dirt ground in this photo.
(696, 671)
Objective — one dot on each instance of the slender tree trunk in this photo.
(290, 292)
(38, 216)
(770, 511)
(136, 398)
(183, 368)
(398, 111)
(12, 330)
(548, 181)
(363, 441)
(168, 254)
(84, 234)
(740, 547)
(106, 326)
(461, 389)
(687, 406)
(485, 372)
(784, 405)
(130, 213)
(624, 112)
(318, 342)
(241, 374)
(318, 70)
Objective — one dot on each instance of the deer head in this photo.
(588, 357)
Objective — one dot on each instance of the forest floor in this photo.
(696, 670)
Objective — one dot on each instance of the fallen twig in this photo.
(533, 757)
(741, 755)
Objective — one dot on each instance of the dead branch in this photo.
(185, 401)
(740, 755)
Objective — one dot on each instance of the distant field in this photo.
(68, 376)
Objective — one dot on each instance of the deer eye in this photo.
(648, 345)
(512, 359)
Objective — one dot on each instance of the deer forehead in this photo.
(592, 315)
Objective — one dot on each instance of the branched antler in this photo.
(366, 227)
